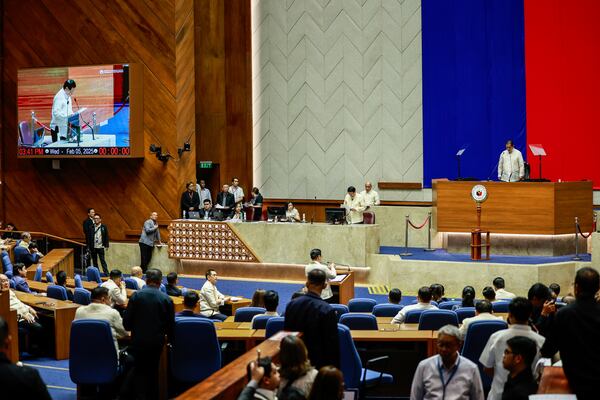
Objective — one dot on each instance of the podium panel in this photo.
(547, 208)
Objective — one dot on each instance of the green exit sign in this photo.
(206, 164)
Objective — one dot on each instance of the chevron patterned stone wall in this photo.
(337, 96)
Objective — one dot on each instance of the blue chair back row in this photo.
(82, 296)
(273, 326)
(38, 273)
(78, 283)
(340, 309)
(93, 275)
(362, 322)
(6, 264)
(432, 320)
(192, 364)
(361, 305)
(95, 364)
(49, 277)
(477, 337)
(386, 310)
(245, 314)
(57, 292)
(130, 283)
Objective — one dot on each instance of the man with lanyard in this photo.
(447, 375)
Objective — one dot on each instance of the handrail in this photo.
(48, 235)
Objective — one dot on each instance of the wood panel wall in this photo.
(159, 35)
(224, 90)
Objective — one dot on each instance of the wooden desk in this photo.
(547, 208)
(56, 260)
(344, 288)
(63, 313)
(10, 316)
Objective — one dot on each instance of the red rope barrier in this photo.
(421, 226)
(582, 234)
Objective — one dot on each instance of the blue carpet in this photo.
(443, 255)
(55, 374)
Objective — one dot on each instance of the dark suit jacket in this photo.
(229, 200)
(574, 332)
(149, 316)
(20, 382)
(173, 290)
(22, 255)
(188, 201)
(210, 213)
(103, 232)
(316, 319)
(88, 225)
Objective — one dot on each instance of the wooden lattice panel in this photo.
(204, 240)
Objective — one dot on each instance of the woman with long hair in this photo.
(295, 369)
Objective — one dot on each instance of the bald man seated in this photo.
(137, 275)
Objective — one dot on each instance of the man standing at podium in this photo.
(62, 109)
(511, 167)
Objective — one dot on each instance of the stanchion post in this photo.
(429, 234)
(576, 258)
(406, 253)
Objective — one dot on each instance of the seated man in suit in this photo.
(20, 278)
(18, 382)
(61, 280)
(28, 256)
(28, 321)
(206, 213)
(225, 201)
(190, 301)
(172, 289)
(211, 299)
(100, 309)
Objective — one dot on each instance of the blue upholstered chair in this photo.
(340, 309)
(260, 322)
(500, 306)
(362, 322)
(130, 283)
(386, 310)
(57, 292)
(11, 283)
(245, 314)
(78, 283)
(82, 296)
(9, 274)
(475, 340)
(49, 277)
(163, 288)
(38, 273)
(93, 275)
(361, 305)
(465, 312)
(412, 316)
(192, 364)
(273, 326)
(432, 320)
(92, 355)
(355, 376)
(19, 252)
(447, 305)
(6, 264)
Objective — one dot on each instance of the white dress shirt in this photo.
(210, 299)
(22, 309)
(140, 282)
(117, 295)
(330, 273)
(511, 167)
(204, 194)
(62, 109)
(401, 316)
(462, 380)
(502, 294)
(269, 313)
(492, 354)
(105, 313)
(485, 316)
(237, 192)
(293, 215)
(356, 202)
(371, 198)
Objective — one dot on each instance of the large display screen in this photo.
(83, 111)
